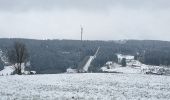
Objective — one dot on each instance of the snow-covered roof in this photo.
(70, 70)
(109, 62)
(128, 57)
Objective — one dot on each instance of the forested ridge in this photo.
(55, 56)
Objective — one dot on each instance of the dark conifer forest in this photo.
(55, 56)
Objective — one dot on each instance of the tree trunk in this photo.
(19, 69)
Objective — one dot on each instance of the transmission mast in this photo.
(81, 33)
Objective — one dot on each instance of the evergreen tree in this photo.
(123, 62)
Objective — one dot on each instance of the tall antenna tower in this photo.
(81, 33)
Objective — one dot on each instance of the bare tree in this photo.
(18, 55)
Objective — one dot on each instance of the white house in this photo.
(109, 63)
(70, 70)
(127, 57)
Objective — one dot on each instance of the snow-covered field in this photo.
(85, 86)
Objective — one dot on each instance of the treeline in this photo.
(55, 56)
(52, 56)
(154, 57)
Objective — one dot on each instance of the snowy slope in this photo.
(8, 70)
(117, 68)
(87, 65)
(91, 58)
(122, 70)
(85, 86)
(135, 66)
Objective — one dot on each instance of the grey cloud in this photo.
(101, 19)
(26, 5)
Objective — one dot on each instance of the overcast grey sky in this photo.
(101, 19)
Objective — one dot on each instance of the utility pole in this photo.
(81, 33)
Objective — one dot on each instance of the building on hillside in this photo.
(70, 70)
(109, 63)
(128, 58)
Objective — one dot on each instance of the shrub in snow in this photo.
(32, 72)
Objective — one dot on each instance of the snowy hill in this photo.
(134, 66)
